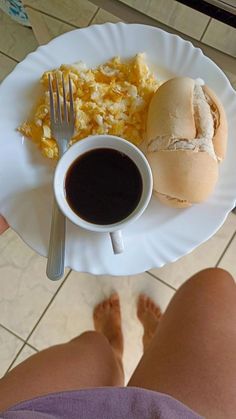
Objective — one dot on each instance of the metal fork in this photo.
(62, 128)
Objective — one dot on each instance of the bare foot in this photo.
(149, 315)
(107, 320)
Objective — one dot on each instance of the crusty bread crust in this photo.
(172, 202)
(171, 110)
(182, 177)
(221, 126)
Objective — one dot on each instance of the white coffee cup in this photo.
(91, 143)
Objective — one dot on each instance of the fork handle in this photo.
(56, 251)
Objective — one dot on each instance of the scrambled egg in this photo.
(110, 99)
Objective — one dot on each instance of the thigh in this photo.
(193, 354)
(86, 361)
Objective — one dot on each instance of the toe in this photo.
(97, 310)
(115, 302)
(106, 305)
(143, 300)
(141, 306)
(114, 297)
(149, 304)
(158, 312)
(152, 306)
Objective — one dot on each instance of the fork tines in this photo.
(59, 111)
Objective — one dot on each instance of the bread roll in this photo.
(186, 140)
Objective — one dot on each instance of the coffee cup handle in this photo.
(117, 242)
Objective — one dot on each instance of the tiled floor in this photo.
(36, 313)
(221, 36)
(173, 14)
(188, 21)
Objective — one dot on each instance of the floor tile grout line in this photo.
(9, 56)
(32, 346)
(161, 280)
(95, 14)
(12, 333)
(15, 358)
(25, 342)
(52, 16)
(18, 354)
(47, 307)
(204, 32)
(225, 250)
(17, 336)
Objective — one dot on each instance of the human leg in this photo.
(86, 361)
(192, 356)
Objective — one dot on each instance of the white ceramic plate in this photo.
(162, 234)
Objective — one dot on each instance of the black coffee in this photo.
(103, 186)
